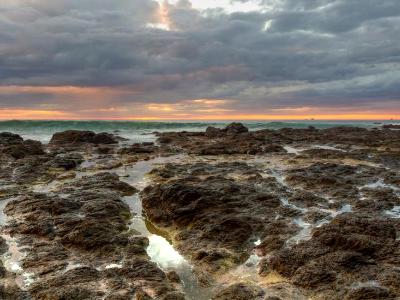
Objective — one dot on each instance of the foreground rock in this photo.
(379, 146)
(78, 245)
(354, 249)
(76, 137)
(215, 212)
(267, 214)
(14, 146)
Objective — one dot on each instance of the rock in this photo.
(347, 245)
(173, 277)
(104, 138)
(201, 204)
(104, 180)
(213, 132)
(80, 137)
(31, 169)
(146, 148)
(87, 224)
(369, 293)
(3, 246)
(216, 211)
(19, 149)
(8, 138)
(91, 234)
(391, 126)
(68, 161)
(239, 291)
(11, 291)
(307, 199)
(391, 279)
(236, 128)
(313, 275)
(271, 243)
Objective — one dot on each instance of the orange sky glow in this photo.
(98, 103)
(16, 114)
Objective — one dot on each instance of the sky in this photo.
(200, 59)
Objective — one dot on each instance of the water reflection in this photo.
(160, 249)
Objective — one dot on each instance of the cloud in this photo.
(123, 55)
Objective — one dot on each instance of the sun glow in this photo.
(162, 19)
(227, 6)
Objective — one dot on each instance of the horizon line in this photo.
(161, 120)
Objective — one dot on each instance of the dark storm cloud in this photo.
(347, 50)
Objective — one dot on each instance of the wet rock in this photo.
(10, 291)
(234, 146)
(103, 181)
(391, 126)
(3, 246)
(80, 137)
(239, 291)
(88, 224)
(307, 199)
(369, 293)
(14, 146)
(315, 216)
(104, 138)
(391, 279)
(213, 215)
(234, 139)
(325, 154)
(68, 161)
(347, 245)
(143, 148)
(74, 284)
(313, 275)
(90, 234)
(173, 277)
(270, 244)
(8, 138)
(78, 244)
(213, 132)
(236, 128)
(32, 169)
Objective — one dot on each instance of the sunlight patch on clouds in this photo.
(189, 107)
(267, 25)
(227, 5)
(163, 20)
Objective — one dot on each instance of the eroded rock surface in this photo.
(76, 243)
(267, 214)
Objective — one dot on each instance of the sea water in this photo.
(142, 131)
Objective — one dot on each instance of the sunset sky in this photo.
(199, 59)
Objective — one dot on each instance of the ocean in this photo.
(142, 131)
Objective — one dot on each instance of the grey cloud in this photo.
(323, 45)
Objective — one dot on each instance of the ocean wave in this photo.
(140, 131)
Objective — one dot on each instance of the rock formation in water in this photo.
(266, 214)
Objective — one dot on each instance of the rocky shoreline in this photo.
(267, 214)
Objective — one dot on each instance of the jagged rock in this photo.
(239, 291)
(139, 149)
(8, 138)
(68, 161)
(213, 132)
(80, 137)
(236, 128)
